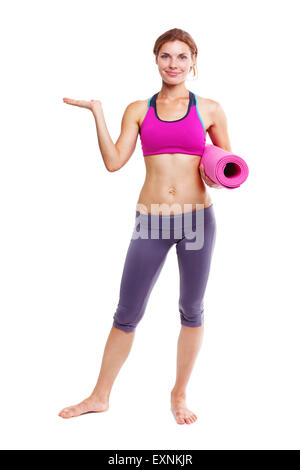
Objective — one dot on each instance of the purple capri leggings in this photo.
(194, 235)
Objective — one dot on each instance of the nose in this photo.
(172, 64)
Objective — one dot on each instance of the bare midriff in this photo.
(173, 185)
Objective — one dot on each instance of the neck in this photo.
(173, 91)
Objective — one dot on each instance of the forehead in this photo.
(175, 47)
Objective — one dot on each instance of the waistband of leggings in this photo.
(189, 220)
(181, 216)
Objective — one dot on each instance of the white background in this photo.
(66, 223)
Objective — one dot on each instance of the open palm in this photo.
(91, 105)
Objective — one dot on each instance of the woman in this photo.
(172, 125)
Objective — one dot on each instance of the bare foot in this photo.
(90, 405)
(180, 411)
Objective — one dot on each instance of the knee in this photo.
(126, 319)
(124, 327)
(191, 316)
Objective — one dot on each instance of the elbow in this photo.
(114, 165)
(112, 170)
(111, 166)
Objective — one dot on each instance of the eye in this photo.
(166, 55)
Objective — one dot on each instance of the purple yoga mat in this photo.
(224, 167)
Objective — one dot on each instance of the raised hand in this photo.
(92, 105)
(207, 180)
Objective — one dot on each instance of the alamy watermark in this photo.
(188, 223)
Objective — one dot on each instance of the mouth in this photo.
(173, 74)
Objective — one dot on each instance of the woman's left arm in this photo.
(218, 134)
(218, 131)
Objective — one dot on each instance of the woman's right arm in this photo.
(116, 155)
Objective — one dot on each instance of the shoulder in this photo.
(207, 103)
(138, 104)
(136, 109)
(214, 109)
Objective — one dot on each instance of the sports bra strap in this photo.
(196, 99)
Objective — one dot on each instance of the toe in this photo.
(180, 418)
(63, 410)
(67, 413)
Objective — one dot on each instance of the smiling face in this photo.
(174, 61)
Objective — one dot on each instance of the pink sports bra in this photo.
(185, 135)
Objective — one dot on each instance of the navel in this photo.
(172, 190)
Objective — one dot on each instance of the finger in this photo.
(73, 102)
(213, 183)
(205, 177)
(67, 100)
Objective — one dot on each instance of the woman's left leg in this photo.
(194, 266)
(188, 346)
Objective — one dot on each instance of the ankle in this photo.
(178, 394)
(100, 395)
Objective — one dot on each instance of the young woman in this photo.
(172, 125)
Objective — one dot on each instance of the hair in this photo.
(176, 34)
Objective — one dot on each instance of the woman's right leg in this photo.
(144, 261)
(116, 351)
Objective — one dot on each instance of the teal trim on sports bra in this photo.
(196, 98)
(149, 101)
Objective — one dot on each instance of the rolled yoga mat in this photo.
(224, 167)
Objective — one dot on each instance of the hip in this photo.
(172, 205)
(158, 197)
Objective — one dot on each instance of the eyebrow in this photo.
(181, 53)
